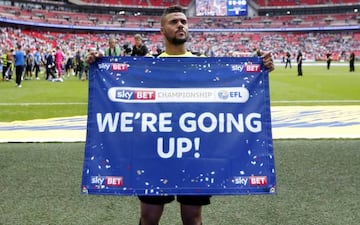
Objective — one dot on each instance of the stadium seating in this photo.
(315, 44)
(301, 2)
(155, 3)
(72, 18)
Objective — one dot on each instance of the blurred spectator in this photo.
(139, 48)
(37, 62)
(352, 62)
(209, 52)
(50, 65)
(29, 63)
(79, 64)
(59, 60)
(288, 60)
(328, 60)
(113, 49)
(299, 59)
(19, 62)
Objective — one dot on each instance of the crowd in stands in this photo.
(154, 3)
(301, 2)
(314, 45)
(37, 15)
(187, 2)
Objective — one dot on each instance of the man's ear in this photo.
(162, 30)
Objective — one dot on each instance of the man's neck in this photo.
(175, 50)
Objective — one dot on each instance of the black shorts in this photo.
(183, 199)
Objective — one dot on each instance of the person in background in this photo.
(8, 64)
(328, 60)
(139, 48)
(79, 64)
(4, 63)
(29, 62)
(299, 59)
(209, 52)
(86, 66)
(19, 62)
(352, 62)
(288, 60)
(59, 59)
(37, 62)
(69, 64)
(50, 65)
(113, 49)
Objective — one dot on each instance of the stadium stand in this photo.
(314, 43)
(302, 2)
(76, 18)
(153, 3)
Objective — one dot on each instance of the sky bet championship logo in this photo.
(158, 95)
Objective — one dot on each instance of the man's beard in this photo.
(177, 41)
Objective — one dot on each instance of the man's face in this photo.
(138, 42)
(112, 43)
(175, 28)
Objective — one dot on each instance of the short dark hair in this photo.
(171, 9)
(138, 36)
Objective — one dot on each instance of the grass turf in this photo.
(317, 185)
(39, 99)
(317, 179)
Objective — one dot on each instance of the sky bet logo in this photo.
(127, 94)
(252, 68)
(114, 66)
(119, 67)
(109, 181)
(251, 180)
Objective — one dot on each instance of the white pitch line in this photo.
(316, 101)
(85, 103)
(42, 103)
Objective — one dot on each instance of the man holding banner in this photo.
(174, 28)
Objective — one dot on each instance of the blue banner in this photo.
(194, 126)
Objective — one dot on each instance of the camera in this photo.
(127, 49)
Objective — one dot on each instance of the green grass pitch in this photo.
(317, 179)
(43, 99)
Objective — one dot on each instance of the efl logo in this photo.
(119, 67)
(114, 181)
(258, 180)
(144, 95)
(252, 68)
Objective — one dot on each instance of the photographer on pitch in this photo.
(139, 49)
